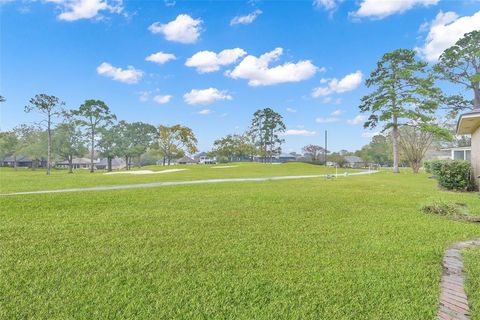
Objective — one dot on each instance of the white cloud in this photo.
(292, 110)
(143, 96)
(370, 134)
(205, 96)
(380, 9)
(357, 120)
(169, 3)
(348, 83)
(183, 29)
(162, 99)
(327, 4)
(257, 71)
(444, 31)
(209, 61)
(326, 120)
(304, 133)
(160, 57)
(336, 113)
(129, 75)
(204, 112)
(72, 10)
(249, 18)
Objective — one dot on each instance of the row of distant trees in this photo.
(263, 139)
(92, 127)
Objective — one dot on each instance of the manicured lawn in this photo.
(347, 248)
(472, 264)
(27, 180)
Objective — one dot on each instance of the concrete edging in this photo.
(172, 183)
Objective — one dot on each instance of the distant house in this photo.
(77, 163)
(186, 160)
(285, 157)
(117, 163)
(281, 158)
(354, 162)
(203, 158)
(23, 161)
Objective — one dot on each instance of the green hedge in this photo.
(452, 174)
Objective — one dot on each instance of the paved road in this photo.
(174, 183)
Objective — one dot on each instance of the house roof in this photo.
(353, 159)
(186, 159)
(469, 122)
(457, 148)
(77, 161)
(201, 154)
(20, 158)
(115, 161)
(286, 155)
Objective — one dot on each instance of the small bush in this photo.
(434, 167)
(453, 174)
(446, 208)
(426, 166)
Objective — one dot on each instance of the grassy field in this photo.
(346, 248)
(472, 263)
(28, 180)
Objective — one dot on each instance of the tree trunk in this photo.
(15, 162)
(168, 160)
(126, 163)
(164, 161)
(70, 164)
(395, 145)
(476, 91)
(49, 145)
(92, 146)
(415, 166)
(109, 164)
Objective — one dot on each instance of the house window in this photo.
(468, 155)
(458, 155)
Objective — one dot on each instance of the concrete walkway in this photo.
(174, 183)
(453, 303)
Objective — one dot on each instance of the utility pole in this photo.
(326, 147)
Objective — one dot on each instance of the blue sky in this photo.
(318, 55)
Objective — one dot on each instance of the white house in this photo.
(77, 163)
(203, 158)
(117, 163)
(186, 160)
(469, 123)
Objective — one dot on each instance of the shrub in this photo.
(453, 174)
(434, 167)
(426, 166)
(446, 208)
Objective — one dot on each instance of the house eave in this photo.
(468, 123)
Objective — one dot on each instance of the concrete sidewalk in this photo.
(173, 183)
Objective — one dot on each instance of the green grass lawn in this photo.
(28, 180)
(472, 264)
(346, 248)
